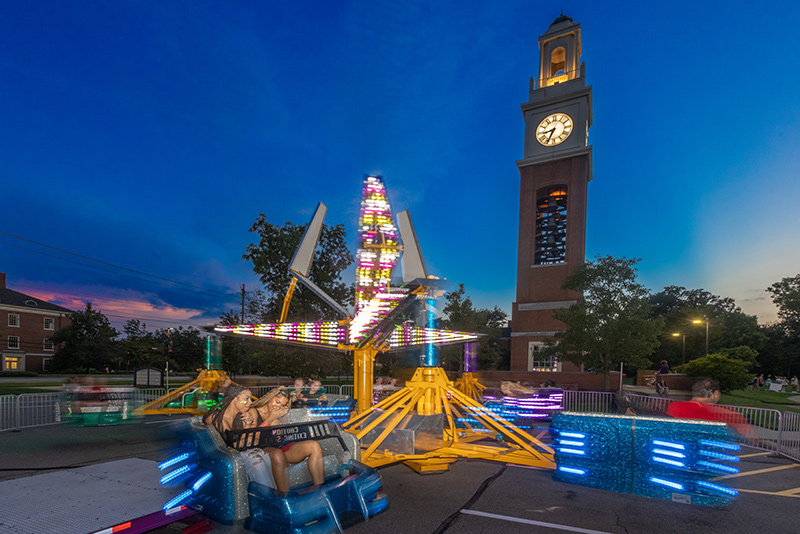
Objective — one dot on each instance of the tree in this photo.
(183, 347)
(786, 296)
(728, 326)
(271, 257)
(781, 355)
(140, 348)
(613, 323)
(88, 343)
(731, 372)
(464, 317)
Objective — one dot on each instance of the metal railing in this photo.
(789, 436)
(769, 429)
(29, 409)
(588, 401)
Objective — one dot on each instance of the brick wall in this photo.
(574, 381)
(674, 381)
(31, 333)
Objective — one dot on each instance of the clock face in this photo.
(554, 129)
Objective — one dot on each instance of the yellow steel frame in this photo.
(429, 392)
(469, 386)
(207, 380)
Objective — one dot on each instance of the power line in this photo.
(190, 286)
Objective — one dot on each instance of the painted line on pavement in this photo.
(756, 454)
(532, 522)
(757, 472)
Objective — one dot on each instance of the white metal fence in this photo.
(29, 409)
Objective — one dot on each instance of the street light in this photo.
(701, 321)
(676, 334)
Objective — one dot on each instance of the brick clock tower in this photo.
(554, 177)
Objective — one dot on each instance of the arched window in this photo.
(558, 61)
(551, 226)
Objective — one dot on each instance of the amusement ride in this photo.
(430, 422)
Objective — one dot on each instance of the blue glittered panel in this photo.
(607, 450)
(650, 456)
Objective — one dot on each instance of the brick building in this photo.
(26, 325)
(554, 177)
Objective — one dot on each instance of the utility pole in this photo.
(242, 321)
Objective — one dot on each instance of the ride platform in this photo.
(123, 497)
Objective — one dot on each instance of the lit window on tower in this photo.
(551, 226)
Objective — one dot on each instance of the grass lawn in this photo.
(761, 399)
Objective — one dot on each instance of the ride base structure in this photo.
(195, 397)
(430, 422)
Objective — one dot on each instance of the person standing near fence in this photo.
(705, 396)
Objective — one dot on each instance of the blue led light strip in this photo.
(667, 483)
(670, 444)
(719, 455)
(571, 434)
(572, 470)
(716, 487)
(721, 444)
(177, 500)
(175, 460)
(200, 481)
(668, 461)
(172, 475)
(719, 467)
(669, 453)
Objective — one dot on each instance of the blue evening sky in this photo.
(151, 134)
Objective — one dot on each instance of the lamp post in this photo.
(676, 334)
(701, 321)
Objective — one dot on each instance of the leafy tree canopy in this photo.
(781, 355)
(728, 326)
(87, 343)
(271, 256)
(613, 323)
(786, 296)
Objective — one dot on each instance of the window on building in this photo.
(558, 61)
(48, 344)
(49, 323)
(13, 342)
(13, 319)
(12, 364)
(551, 226)
(539, 362)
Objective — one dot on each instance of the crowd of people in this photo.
(777, 383)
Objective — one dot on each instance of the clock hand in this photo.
(551, 132)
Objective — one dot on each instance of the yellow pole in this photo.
(286, 300)
(363, 359)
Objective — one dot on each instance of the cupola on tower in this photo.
(554, 174)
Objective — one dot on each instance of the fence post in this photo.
(780, 432)
(17, 413)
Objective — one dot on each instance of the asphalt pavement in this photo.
(472, 497)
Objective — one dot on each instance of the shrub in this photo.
(731, 373)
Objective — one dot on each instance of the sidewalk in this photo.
(650, 391)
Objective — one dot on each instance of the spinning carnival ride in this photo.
(429, 423)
